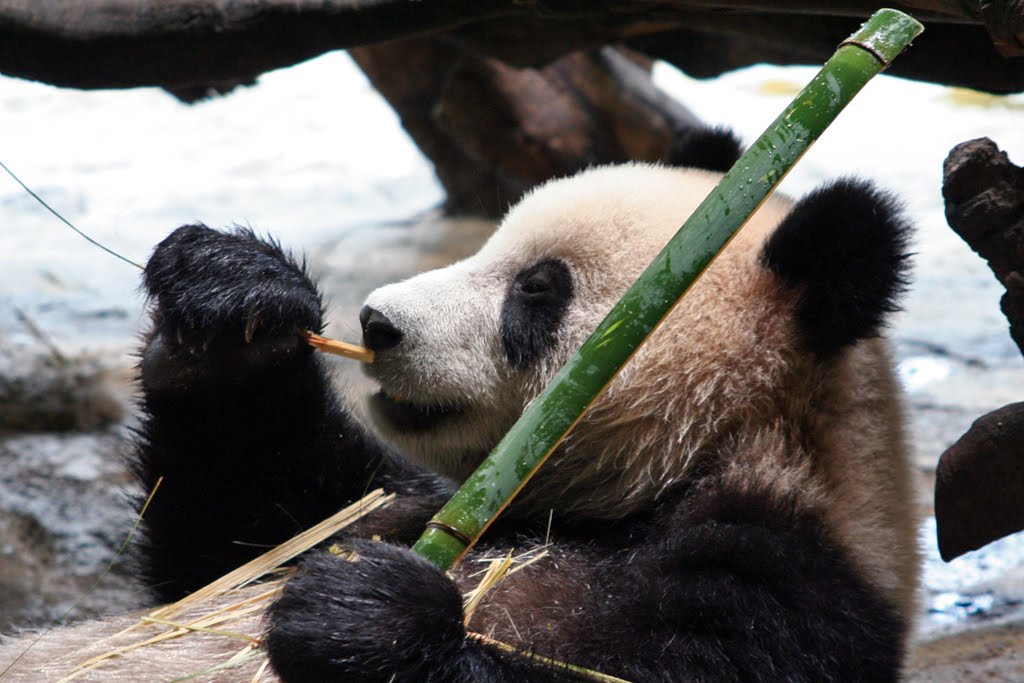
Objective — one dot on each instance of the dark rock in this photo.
(984, 196)
(63, 517)
(979, 492)
(40, 389)
(978, 485)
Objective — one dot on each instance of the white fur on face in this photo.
(449, 360)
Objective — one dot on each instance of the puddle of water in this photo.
(917, 372)
(974, 586)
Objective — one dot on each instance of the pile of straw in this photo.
(215, 634)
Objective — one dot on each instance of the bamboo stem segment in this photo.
(554, 413)
(339, 348)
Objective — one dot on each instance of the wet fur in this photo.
(736, 507)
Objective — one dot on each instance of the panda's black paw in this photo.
(376, 612)
(223, 300)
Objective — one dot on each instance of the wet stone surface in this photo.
(63, 512)
(63, 515)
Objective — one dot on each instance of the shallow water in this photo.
(978, 586)
(307, 154)
(314, 156)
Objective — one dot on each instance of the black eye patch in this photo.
(534, 306)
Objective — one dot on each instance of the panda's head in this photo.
(462, 350)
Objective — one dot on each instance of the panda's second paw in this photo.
(376, 612)
(223, 299)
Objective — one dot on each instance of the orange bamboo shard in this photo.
(339, 348)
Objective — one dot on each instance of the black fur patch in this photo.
(533, 309)
(239, 416)
(713, 149)
(723, 585)
(753, 589)
(845, 246)
(333, 617)
(202, 277)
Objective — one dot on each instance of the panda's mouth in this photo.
(406, 415)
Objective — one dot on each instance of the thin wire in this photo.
(66, 222)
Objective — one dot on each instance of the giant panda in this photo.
(736, 507)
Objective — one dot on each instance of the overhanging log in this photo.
(171, 43)
(192, 43)
(493, 130)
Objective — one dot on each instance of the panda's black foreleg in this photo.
(378, 612)
(239, 415)
(723, 584)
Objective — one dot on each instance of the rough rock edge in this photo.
(979, 495)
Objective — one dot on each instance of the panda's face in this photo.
(769, 354)
(460, 351)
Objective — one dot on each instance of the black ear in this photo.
(713, 149)
(845, 247)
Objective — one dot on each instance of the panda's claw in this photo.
(225, 302)
(229, 285)
(250, 328)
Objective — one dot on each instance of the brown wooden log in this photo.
(1004, 20)
(951, 54)
(984, 194)
(189, 44)
(979, 482)
(493, 131)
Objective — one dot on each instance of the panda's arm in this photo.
(738, 586)
(239, 416)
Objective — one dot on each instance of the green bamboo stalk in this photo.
(458, 525)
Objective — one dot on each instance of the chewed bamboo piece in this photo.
(339, 348)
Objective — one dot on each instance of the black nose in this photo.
(379, 333)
